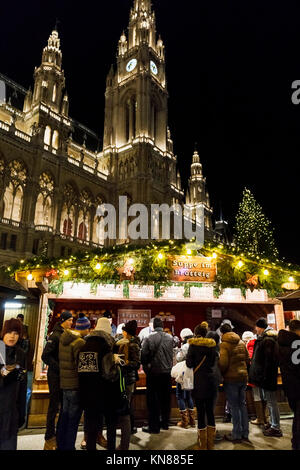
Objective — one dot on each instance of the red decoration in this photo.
(51, 274)
(252, 281)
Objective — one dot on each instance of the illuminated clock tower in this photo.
(136, 136)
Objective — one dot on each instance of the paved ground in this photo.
(175, 439)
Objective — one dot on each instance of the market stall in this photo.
(181, 284)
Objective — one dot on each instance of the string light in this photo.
(291, 279)
(240, 264)
(98, 266)
(266, 272)
(66, 272)
(160, 256)
(29, 277)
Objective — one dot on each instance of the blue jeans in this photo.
(69, 420)
(271, 398)
(236, 396)
(184, 398)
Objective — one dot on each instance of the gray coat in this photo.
(157, 353)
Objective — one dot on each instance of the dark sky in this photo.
(230, 66)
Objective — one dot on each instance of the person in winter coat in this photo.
(234, 361)
(13, 384)
(184, 397)
(264, 372)
(289, 361)
(217, 375)
(70, 343)
(50, 357)
(98, 395)
(145, 332)
(262, 415)
(201, 357)
(130, 351)
(157, 361)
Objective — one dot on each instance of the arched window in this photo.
(55, 139)
(130, 118)
(13, 195)
(44, 206)
(47, 135)
(82, 231)
(54, 93)
(67, 227)
(127, 121)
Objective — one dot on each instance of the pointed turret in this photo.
(49, 80)
(197, 193)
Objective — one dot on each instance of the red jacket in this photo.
(250, 347)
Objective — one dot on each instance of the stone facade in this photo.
(51, 185)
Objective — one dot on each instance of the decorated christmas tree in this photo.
(253, 231)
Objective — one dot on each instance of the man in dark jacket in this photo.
(264, 372)
(99, 396)
(50, 357)
(289, 360)
(157, 360)
(70, 343)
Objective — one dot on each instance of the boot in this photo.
(202, 438)
(101, 440)
(259, 413)
(192, 421)
(184, 423)
(83, 442)
(211, 432)
(266, 415)
(50, 444)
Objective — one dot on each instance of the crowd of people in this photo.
(93, 373)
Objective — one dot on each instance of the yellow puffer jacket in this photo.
(234, 358)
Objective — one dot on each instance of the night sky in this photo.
(230, 66)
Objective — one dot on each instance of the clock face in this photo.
(131, 65)
(153, 67)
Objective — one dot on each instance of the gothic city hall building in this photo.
(54, 172)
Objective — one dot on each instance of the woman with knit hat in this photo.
(184, 397)
(129, 347)
(13, 384)
(201, 357)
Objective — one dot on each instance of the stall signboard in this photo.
(142, 317)
(193, 269)
(202, 293)
(257, 295)
(174, 292)
(110, 291)
(142, 292)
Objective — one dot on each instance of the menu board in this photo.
(141, 316)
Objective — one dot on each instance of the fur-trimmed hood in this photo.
(68, 336)
(231, 337)
(101, 334)
(270, 332)
(203, 342)
(122, 341)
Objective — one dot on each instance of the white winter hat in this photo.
(119, 328)
(185, 332)
(103, 324)
(247, 336)
(226, 321)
